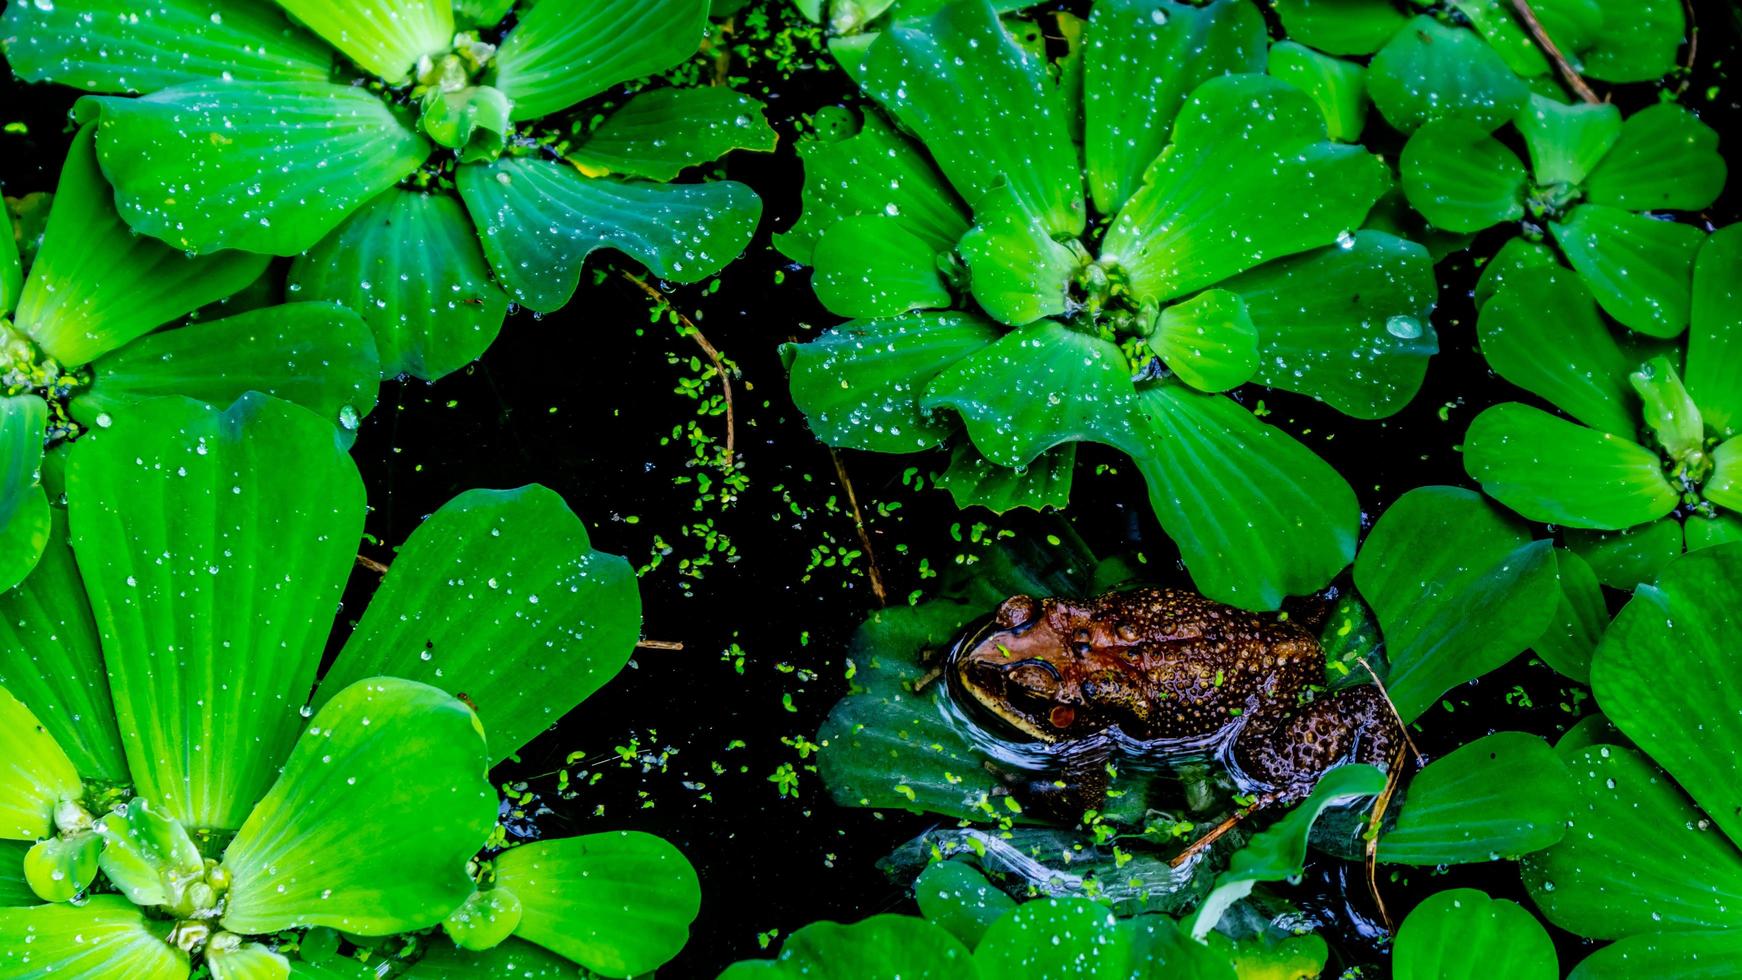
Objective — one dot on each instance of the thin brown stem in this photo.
(694, 332)
(659, 644)
(1215, 833)
(372, 565)
(1379, 807)
(872, 570)
(1401, 724)
(1546, 43)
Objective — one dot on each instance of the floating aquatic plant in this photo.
(158, 665)
(1463, 932)
(423, 180)
(1098, 256)
(80, 342)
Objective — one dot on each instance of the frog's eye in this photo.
(1034, 677)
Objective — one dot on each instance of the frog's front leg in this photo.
(1062, 796)
(1288, 747)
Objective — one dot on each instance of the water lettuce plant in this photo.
(407, 151)
(1646, 436)
(184, 789)
(1100, 256)
(81, 342)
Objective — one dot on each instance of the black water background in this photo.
(582, 401)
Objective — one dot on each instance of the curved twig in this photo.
(1546, 43)
(695, 333)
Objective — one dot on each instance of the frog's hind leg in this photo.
(1288, 748)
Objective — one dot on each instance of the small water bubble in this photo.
(104, 420)
(1403, 327)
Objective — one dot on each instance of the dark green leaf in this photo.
(1519, 258)
(1714, 361)
(1571, 359)
(563, 51)
(515, 959)
(954, 895)
(1460, 178)
(1668, 954)
(661, 132)
(24, 511)
(1579, 620)
(1640, 269)
(1017, 273)
(1664, 159)
(1637, 43)
(1209, 341)
(1497, 797)
(1566, 141)
(1341, 26)
(1430, 71)
(871, 266)
(974, 481)
(1056, 937)
(1338, 87)
(1623, 559)
(1560, 472)
(880, 946)
(1464, 933)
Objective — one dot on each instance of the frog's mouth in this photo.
(985, 688)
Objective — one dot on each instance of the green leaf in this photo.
(480, 13)
(1670, 954)
(318, 355)
(1559, 472)
(1639, 269)
(539, 220)
(1246, 150)
(24, 510)
(1705, 532)
(1035, 388)
(1638, 42)
(1279, 851)
(499, 596)
(14, 890)
(50, 660)
(11, 265)
(1714, 359)
(1632, 846)
(1346, 324)
(95, 285)
(1017, 273)
(1499, 796)
(1460, 178)
(1341, 26)
(663, 131)
(1209, 340)
(880, 946)
(410, 264)
(1724, 486)
(39, 776)
(1055, 937)
(1579, 620)
(1570, 23)
(974, 481)
(874, 171)
(1141, 59)
(413, 759)
(1430, 71)
(120, 46)
(221, 539)
(472, 121)
(619, 903)
(1570, 359)
(1256, 515)
(59, 868)
(1623, 559)
(105, 937)
(268, 167)
(384, 37)
(871, 266)
(1464, 933)
(1664, 159)
(984, 107)
(229, 957)
(563, 51)
(485, 919)
(515, 959)
(1567, 141)
(954, 895)
(1670, 412)
(1517, 259)
(148, 856)
(1338, 87)
(859, 384)
(1459, 589)
(1261, 957)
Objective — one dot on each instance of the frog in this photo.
(1170, 671)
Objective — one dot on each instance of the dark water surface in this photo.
(683, 743)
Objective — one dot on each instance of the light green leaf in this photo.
(619, 904)
(1714, 360)
(499, 596)
(1623, 559)
(1631, 848)
(1250, 177)
(270, 167)
(1571, 359)
(1341, 26)
(663, 131)
(38, 775)
(1579, 620)
(1141, 58)
(1724, 486)
(1209, 340)
(871, 266)
(1566, 141)
(1346, 324)
(1459, 589)
(539, 220)
(1460, 178)
(974, 481)
(1560, 472)
(1497, 797)
(14, 890)
(410, 756)
(1664, 159)
(880, 946)
(1338, 87)
(318, 355)
(1517, 259)
(1017, 273)
(105, 937)
(1035, 388)
(50, 660)
(95, 285)
(1429, 71)
(1669, 411)
(859, 384)
(480, 13)
(1704, 532)
(24, 510)
(984, 107)
(214, 545)
(411, 266)
(485, 919)
(11, 265)
(1668, 954)
(1256, 515)
(384, 37)
(873, 171)
(148, 856)
(1056, 937)
(122, 46)
(59, 868)
(515, 959)
(1639, 269)
(954, 895)
(1637, 43)
(1464, 933)
(563, 51)
(473, 121)
(229, 957)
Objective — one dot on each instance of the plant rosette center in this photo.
(26, 369)
(455, 110)
(1676, 427)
